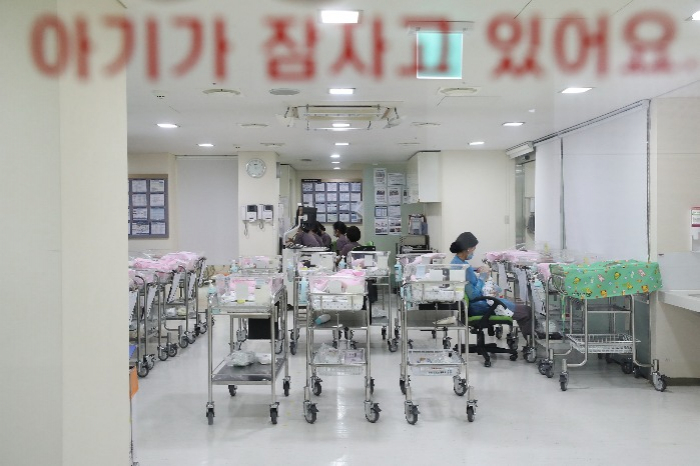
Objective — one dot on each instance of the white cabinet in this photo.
(423, 177)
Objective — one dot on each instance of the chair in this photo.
(490, 322)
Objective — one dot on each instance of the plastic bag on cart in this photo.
(241, 358)
(326, 354)
(263, 358)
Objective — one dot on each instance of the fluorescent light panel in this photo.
(341, 90)
(336, 168)
(206, 144)
(513, 123)
(335, 156)
(335, 162)
(340, 16)
(341, 125)
(576, 90)
(167, 125)
(696, 16)
(476, 143)
(342, 143)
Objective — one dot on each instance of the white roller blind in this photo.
(605, 187)
(207, 204)
(548, 194)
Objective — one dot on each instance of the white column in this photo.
(64, 246)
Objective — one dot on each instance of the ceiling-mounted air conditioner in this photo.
(355, 116)
(521, 149)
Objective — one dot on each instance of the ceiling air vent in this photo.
(424, 124)
(306, 160)
(458, 91)
(252, 125)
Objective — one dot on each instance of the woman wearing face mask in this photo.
(464, 248)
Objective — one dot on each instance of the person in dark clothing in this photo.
(320, 232)
(306, 238)
(339, 231)
(353, 237)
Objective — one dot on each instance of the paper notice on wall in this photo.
(380, 176)
(381, 226)
(394, 211)
(395, 179)
(380, 196)
(394, 225)
(381, 211)
(395, 194)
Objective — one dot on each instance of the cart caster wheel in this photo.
(197, 330)
(393, 346)
(353, 344)
(232, 390)
(471, 414)
(608, 358)
(434, 334)
(203, 328)
(514, 357)
(317, 389)
(542, 368)
(487, 363)
(412, 414)
(285, 386)
(183, 342)
(371, 385)
(627, 367)
(637, 372)
(446, 343)
(410, 344)
(334, 344)
(349, 334)
(563, 382)
(512, 343)
(279, 347)
(660, 382)
(373, 415)
(210, 416)
(460, 387)
(142, 370)
(383, 333)
(191, 338)
(172, 350)
(402, 385)
(396, 333)
(499, 332)
(293, 348)
(549, 372)
(600, 355)
(310, 413)
(273, 415)
(151, 361)
(163, 354)
(531, 355)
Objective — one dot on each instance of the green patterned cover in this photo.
(606, 279)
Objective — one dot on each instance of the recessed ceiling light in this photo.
(341, 91)
(222, 92)
(167, 125)
(341, 125)
(272, 144)
(408, 143)
(532, 110)
(696, 16)
(576, 90)
(513, 123)
(342, 143)
(476, 143)
(283, 91)
(252, 125)
(335, 156)
(335, 162)
(205, 144)
(336, 168)
(340, 16)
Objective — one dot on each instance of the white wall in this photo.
(548, 213)
(62, 182)
(158, 164)
(207, 207)
(676, 171)
(477, 196)
(264, 190)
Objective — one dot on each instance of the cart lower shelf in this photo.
(611, 343)
(255, 373)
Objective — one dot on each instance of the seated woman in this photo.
(339, 231)
(322, 236)
(353, 235)
(464, 248)
(306, 238)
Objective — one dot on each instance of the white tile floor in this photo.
(523, 418)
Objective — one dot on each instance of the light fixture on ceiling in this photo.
(521, 149)
(335, 162)
(532, 110)
(167, 125)
(340, 16)
(252, 125)
(476, 143)
(341, 125)
(513, 123)
(342, 143)
(218, 92)
(284, 91)
(576, 90)
(408, 143)
(695, 16)
(458, 91)
(272, 144)
(424, 123)
(335, 156)
(336, 168)
(206, 144)
(341, 90)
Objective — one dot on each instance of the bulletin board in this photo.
(335, 200)
(148, 206)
